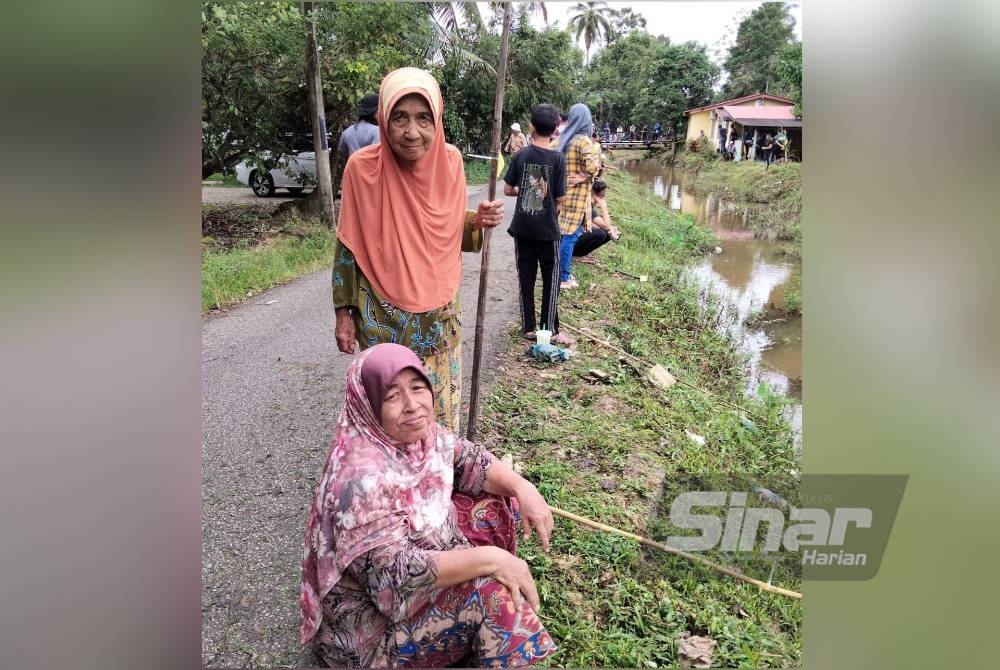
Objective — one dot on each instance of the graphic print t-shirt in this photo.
(540, 176)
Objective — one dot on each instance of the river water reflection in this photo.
(753, 274)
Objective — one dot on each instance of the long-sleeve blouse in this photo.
(377, 320)
(584, 157)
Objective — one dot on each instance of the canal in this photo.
(752, 274)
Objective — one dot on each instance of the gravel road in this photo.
(272, 384)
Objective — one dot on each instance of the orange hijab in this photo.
(404, 226)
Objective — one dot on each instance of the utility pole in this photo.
(318, 113)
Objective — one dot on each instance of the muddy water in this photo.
(751, 273)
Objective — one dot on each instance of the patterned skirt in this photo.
(445, 372)
(475, 623)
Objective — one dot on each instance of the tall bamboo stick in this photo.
(473, 423)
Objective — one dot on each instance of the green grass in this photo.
(224, 180)
(606, 600)
(793, 295)
(232, 276)
(778, 189)
(477, 171)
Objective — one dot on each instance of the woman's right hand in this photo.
(344, 330)
(514, 574)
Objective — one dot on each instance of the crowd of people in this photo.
(610, 132)
(735, 145)
(410, 554)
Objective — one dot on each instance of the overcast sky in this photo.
(707, 22)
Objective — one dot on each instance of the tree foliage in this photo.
(643, 79)
(542, 67)
(753, 59)
(361, 43)
(790, 72)
(254, 95)
(252, 79)
(623, 22)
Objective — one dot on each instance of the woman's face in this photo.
(410, 128)
(407, 408)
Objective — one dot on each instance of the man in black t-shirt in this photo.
(537, 176)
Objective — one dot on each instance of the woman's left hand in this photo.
(535, 513)
(488, 214)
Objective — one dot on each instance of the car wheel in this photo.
(262, 184)
(295, 190)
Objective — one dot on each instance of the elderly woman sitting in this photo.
(409, 550)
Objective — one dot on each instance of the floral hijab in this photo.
(374, 492)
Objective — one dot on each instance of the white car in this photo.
(293, 172)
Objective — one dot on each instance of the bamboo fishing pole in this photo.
(771, 588)
(473, 423)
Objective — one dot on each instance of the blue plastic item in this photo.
(549, 352)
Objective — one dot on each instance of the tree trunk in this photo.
(324, 190)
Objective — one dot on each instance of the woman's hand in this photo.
(514, 574)
(488, 214)
(535, 512)
(577, 178)
(344, 330)
(461, 565)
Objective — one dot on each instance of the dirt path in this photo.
(272, 385)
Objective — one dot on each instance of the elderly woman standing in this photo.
(398, 261)
(409, 561)
(583, 162)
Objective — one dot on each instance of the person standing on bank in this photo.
(516, 141)
(583, 162)
(398, 254)
(537, 176)
(362, 133)
(768, 148)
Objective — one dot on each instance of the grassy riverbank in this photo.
(778, 188)
(245, 251)
(619, 452)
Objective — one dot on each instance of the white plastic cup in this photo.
(543, 336)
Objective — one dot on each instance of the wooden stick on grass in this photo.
(677, 552)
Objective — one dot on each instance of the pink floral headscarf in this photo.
(369, 485)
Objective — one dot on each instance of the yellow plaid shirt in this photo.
(583, 156)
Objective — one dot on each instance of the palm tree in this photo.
(540, 8)
(447, 18)
(452, 15)
(590, 22)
